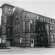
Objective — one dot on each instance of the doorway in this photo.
(32, 42)
(42, 34)
(40, 41)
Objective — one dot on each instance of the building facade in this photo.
(26, 29)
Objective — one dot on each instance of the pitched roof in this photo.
(7, 5)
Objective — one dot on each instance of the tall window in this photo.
(31, 24)
(17, 21)
(3, 29)
(8, 30)
(52, 38)
(47, 26)
(43, 19)
(2, 19)
(5, 18)
(51, 20)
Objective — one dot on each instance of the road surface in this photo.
(19, 50)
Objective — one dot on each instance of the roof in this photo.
(39, 14)
(7, 5)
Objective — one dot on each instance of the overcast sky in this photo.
(43, 7)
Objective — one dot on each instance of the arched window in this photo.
(17, 21)
(31, 24)
(31, 21)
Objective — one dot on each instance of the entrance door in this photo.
(42, 41)
(32, 42)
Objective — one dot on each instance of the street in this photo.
(19, 50)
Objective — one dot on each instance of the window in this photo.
(39, 18)
(8, 31)
(31, 21)
(40, 28)
(51, 21)
(43, 19)
(5, 19)
(9, 11)
(9, 20)
(27, 26)
(47, 20)
(51, 28)
(31, 24)
(21, 40)
(4, 29)
(52, 38)
(17, 21)
(2, 19)
(47, 26)
(15, 28)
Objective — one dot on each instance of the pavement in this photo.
(19, 50)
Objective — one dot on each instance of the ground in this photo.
(19, 50)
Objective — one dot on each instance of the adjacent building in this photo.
(26, 29)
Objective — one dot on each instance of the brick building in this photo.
(26, 29)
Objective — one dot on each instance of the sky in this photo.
(42, 7)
